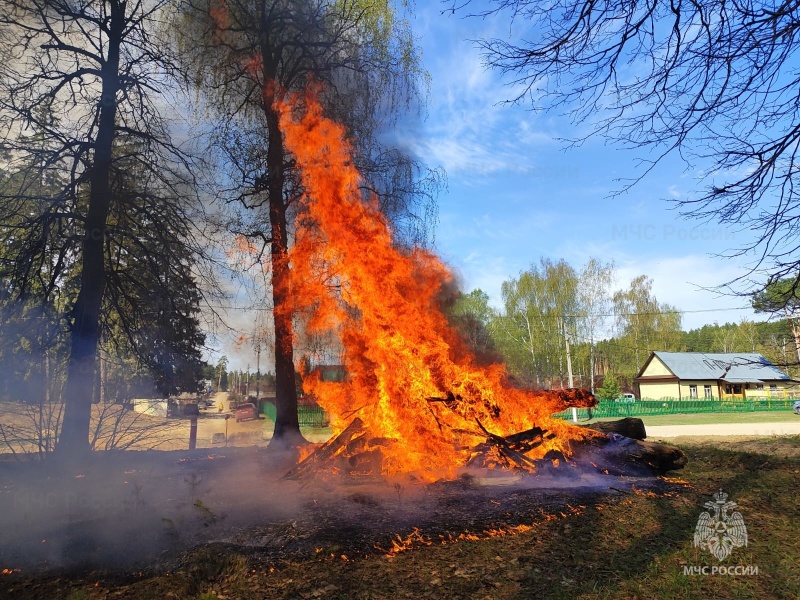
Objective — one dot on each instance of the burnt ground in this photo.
(140, 511)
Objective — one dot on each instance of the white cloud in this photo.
(465, 155)
(470, 132)
(688, 283)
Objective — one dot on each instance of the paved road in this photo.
(756, 429)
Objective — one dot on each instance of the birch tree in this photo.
(594, 297)
(643, 324)
(539, 321)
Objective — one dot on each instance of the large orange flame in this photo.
(350, 277)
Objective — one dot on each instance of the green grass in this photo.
(712, 418)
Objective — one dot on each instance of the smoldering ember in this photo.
(428, 444)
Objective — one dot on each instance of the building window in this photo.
(773, 391)
(693, 391)
(759, 386)
(707, 392)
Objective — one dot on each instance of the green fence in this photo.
(309, 416)
(268, 408)
(673, 406)
(312, 416)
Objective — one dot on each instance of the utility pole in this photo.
(569, 366)
(592, 365)
(569, 361)
(258, 368)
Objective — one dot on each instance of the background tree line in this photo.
(559, 326)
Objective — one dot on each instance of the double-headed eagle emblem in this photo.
(723, 531)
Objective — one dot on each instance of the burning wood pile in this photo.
(356, 452)
(416, 400)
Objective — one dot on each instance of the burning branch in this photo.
(328, 451)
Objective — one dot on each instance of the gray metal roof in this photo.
(732, 367)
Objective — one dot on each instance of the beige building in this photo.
(711, 376)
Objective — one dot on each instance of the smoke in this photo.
(141, 510)
(471, 331)
(129, 510)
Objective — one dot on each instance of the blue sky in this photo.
(515, 193)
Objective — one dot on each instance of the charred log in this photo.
(619, 453)
(514, 450)
(369, 462)
(660, 457)
(629, 427)
(530, 439)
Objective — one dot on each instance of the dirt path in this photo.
(724, 429)
(215, 429)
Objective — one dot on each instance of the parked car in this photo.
(796, 407)
(246, 412)
(626, 398)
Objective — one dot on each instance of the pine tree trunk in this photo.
(73, 443)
